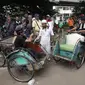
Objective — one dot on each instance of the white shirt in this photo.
(82, 25)
(45, 35)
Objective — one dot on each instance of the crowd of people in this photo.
(28, 22)
(77, 24)
(28, 27)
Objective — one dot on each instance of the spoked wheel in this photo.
(20, 68)
(79, 60)
(2, 59)
(56, 59)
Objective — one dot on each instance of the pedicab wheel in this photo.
(2, 59)
(79, 60)
(20, 70)
(57, 59)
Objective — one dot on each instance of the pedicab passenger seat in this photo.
(67, 47)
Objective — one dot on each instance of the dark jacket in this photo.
(20, 41)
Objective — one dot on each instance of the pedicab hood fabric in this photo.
(73, 38)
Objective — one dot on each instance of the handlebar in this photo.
(74, 32)
(36, 41)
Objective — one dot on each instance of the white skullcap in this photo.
(33, 18)
(44, 21)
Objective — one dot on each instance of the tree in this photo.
(34, 6)
(80, 8)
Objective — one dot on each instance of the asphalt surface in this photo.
(61, 73)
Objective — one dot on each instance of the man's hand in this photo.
(28, 40)
(31, 35)
(74, 29)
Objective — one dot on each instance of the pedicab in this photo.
(70, 48)
(26, 60)
(16, 64)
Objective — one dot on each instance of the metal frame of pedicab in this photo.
(78, 51)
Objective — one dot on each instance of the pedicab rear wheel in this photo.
(56, 59)
(23, 71)
(79, 60)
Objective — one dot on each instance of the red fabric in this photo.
(57, 26)
(82, 15)
(35, 47)
(49, 20)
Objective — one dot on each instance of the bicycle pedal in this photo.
(42, 62)
(30, 67)
(36, 67)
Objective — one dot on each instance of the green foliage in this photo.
(80, 8)
(34, 6)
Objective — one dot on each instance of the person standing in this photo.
(9, 26)
(60, 25)
(71, 23)
(45, 36)
(29, 26)
(17, 21)
(36, 24)
(50, 22)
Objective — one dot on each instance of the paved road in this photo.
(61, 73)
(53, 74)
